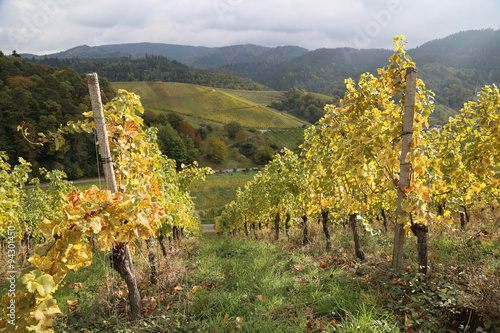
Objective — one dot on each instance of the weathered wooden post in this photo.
(404, 174)
(122, 259)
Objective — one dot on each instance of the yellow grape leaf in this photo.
(96, 225)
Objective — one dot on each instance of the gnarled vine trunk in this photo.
(27, 242)
(246, 226)
(287, 224)
(384, 219)
(357, 245)
(305, 240)
(162, 246)
(277, 226)
(421, 230)
(152, 259)
(120, 261)
(324, 220)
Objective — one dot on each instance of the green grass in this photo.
(206, 103)
(254, 286)
(224, 284)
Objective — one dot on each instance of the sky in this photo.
(48, 26)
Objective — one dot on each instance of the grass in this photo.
(256, 284)
(262, 287)
(206, 103)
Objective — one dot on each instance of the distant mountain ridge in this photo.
(454, 67)
(193, 56)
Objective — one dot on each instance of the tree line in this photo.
(152, 68)
(40, 98)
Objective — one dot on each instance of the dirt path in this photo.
(208, 227)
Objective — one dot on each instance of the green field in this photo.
(218, 190)
(284, 137)
(207, 103)
(260, 97)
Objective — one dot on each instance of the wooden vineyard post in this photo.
(404, 175)
(122, 259)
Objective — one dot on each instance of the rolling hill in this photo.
(207, 103)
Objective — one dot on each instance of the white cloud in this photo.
(42, 26)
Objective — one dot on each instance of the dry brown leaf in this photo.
(153, 303)
(225, 317)
(177, 289)
(72, 303)
(408, 322)
(261, 297)
(195, 289)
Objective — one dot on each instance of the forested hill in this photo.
(453, 67)
(244, 54)
(42, 98)
(152, 68)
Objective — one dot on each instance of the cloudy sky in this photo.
(47, 26)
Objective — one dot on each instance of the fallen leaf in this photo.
(261, 297)
(318, 322)
(195, 289)
(120, 293)
(298, 268)
(225, 317)
(153, 303)
(190, 295)
(408, 322)
(323, 265)
(177, 289)
(72, 303)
